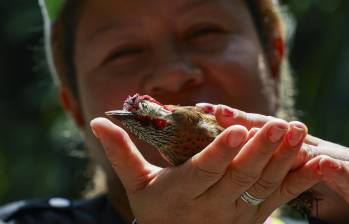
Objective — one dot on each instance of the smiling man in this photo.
(181, 52)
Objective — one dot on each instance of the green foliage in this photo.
(53, 7)
(4, 186)
(36, 137)
(319, 59)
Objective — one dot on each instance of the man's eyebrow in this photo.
(112, 27)
(190, 5)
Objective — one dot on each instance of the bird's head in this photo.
(141, 112)
(177, 132)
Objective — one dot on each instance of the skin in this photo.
(183, 52)
(333, 191)
(172, 66)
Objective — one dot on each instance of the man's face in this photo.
(179, 52)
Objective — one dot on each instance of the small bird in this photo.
(178, 132)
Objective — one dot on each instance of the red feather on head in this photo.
(132, 102)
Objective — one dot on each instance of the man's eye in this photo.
(204, 31)
(123, 54)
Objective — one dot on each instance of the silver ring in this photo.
(249, 199)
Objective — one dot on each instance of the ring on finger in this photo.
(249, 199)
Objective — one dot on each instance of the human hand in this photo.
(333, 203)
(334, 172)
(207, 188)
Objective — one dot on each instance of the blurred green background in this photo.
(41, 154)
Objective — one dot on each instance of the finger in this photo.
(206, 107)
(336, 174)
(281, 162)
(256, 154)
(247, 167)
(208, 166)
(252, 132)
(227, 116)
(123, 155)
(296, 182)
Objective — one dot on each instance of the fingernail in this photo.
(276, 133)
(334, 166)
(206, 107)
(228, 112)
(295, 136)
(253, 132)
(236, 139)
(331, 171)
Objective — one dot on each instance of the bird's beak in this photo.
(120, 115)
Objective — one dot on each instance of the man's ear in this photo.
(71, 105)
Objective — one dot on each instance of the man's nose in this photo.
(173, 77)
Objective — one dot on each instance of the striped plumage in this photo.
(177, 132)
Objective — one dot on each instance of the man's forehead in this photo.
(52, 8)
(118, 15)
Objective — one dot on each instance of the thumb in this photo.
(128, 163)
